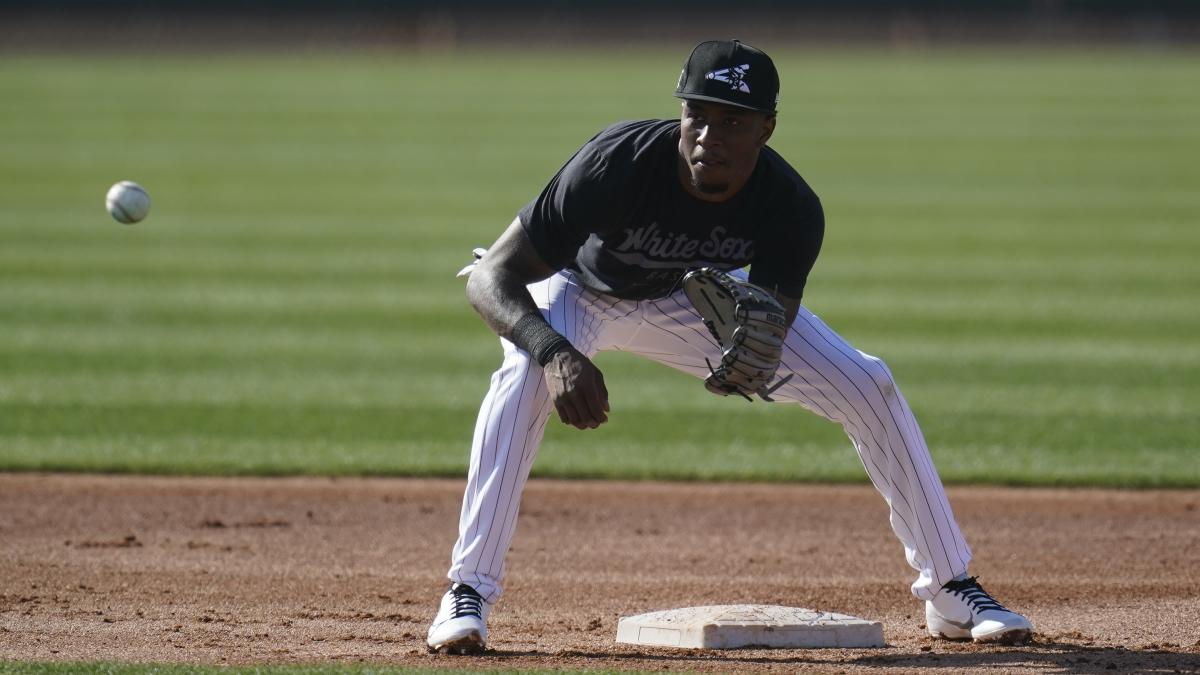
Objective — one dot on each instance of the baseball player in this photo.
(596, 261)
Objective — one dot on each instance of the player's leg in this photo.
(858, 391)
(842, 384)
(838, 382)
(508, 431)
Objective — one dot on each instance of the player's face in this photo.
(718, 147)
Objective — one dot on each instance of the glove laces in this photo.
(974, 595)
(764, 393)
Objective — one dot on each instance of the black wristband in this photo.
(535, 336)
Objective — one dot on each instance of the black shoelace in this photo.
(466, 602)
(973, 593)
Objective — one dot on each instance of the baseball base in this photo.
(734, 626)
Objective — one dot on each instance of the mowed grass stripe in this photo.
(934, 294)
(301, 375)
(416, 344)
(1079, 287)
(243, 384)
(984, 240)
(738, 458)
(74, 330)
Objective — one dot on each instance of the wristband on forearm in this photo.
(535, 336)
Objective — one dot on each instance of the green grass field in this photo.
(1015, 232)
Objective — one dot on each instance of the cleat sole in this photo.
(464, 646)
(1019, 636)
(956, 638)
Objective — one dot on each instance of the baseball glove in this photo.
(748, 323)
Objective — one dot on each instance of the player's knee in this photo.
(880, 374)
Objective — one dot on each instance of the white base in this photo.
(733, 626)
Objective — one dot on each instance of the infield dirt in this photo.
(277, 571)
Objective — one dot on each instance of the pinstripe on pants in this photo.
(831, 378)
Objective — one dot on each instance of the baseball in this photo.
(127, 202)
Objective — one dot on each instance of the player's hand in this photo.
(577, 389)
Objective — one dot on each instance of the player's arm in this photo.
(497, 290)
(496, 287)
(790, 305)
(790, 258)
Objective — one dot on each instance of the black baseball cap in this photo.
(727, 71)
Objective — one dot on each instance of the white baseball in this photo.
(127, 202)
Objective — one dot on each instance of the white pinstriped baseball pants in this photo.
(831, 378)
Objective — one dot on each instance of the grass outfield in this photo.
(1014, 232)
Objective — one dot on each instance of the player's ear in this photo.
(767, 129)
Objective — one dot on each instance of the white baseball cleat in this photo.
(962, 610)
(461, 623)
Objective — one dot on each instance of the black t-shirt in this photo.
(618, 216)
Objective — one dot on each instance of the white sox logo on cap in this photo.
(735, 77)
(719, 71)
